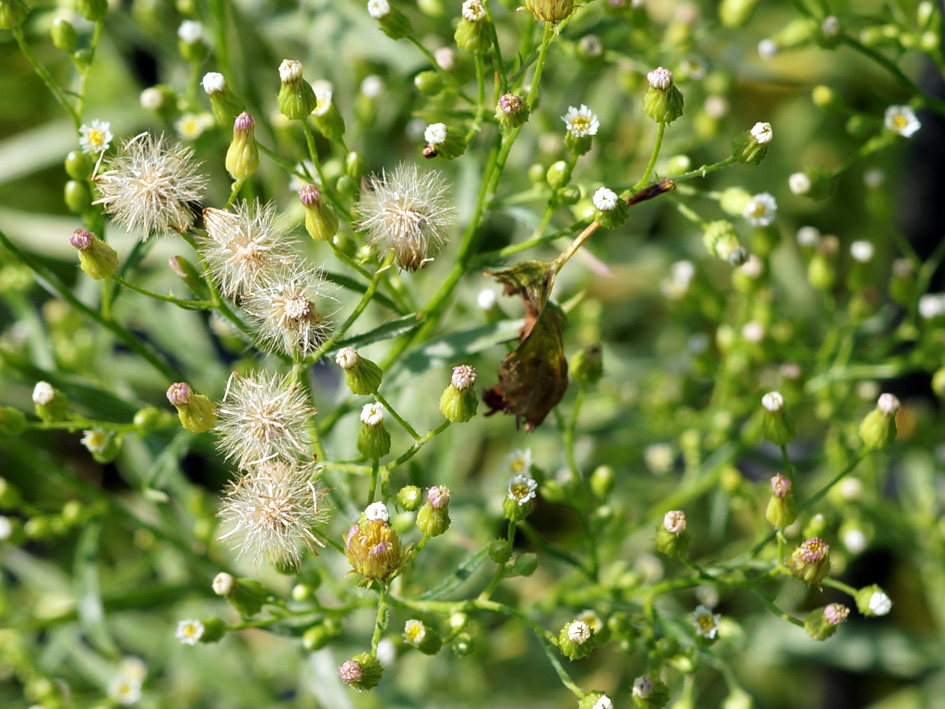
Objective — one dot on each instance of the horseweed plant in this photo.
(624, 481)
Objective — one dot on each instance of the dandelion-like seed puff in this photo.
(148, 186)
(244, 247)
(406, 213)
(269, 514)
(263, 416)
(292, 310)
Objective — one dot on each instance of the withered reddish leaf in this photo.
(533, 378)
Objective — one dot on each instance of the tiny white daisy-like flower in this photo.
(190, 32)
(43, 393)
(190, 126)
(880, 603)
(862, 251)
(855, 540)
(414, 632)
(675, 521)
(706, 622)
(901, 120)
(376, 512)
(799, 183)
(242, 247)
(291, 310)
(378, 9)
(581, 121)
(603, 702)
(189, 631)
(659, 458)
(435, 133)
(263, 416)
(773, 401)
(808, 237)
(760, 209)
(148, 186)
(753, 331)
(473, 11)
(767, 48)
(486, 299)
(579, 632)
(124, 690)
(592, 620)
(371, 86)
(372, 414)
(445, 57)
(269, 513)
(95, 138)
(932, 305)
(406, 213)
(96, 439)
(521, 489)
(518, 462)
(660, 78)
(151, 99)
(322, 100)
(605, 199)
(213, 82)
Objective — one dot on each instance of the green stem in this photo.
(381, 623)
(770, 605)
(705, 169)
(540, 64)
(840, 586)
(661, 128)
(497, 50)
(45, 76)
(415, 448)
(86, 67)
(185, 304)
(397, 417)
(373, 490)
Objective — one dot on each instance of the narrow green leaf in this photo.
(453, 581)
(89, 605)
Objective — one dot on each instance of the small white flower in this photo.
(659, 458)
(445, 57)
(322, 101)
(371, 86)
(862, 251)
(932, 305)
(223, 584)
(347, 358)
(151, 99)
(642, 687)
(372, 414)
(760, 209)
(190, 126)
(799, 183)
(808, 237)
(124, 690)
(189, 631)
(134, 668)
(435, 133)
(715, 106)
(518, 462)
(473, 11)
(95, 138)
(855, 540)
(706, 622)
(190, 32)
(605, 199)
(762, 133)
(850, 489)
(867, 391)
(377, 512)
(378, 9)
(888, 404)
(767, 48)
(213, 82)
(753, 331)
(581, 122)
(592, 619)
(675, 521)
(773, 401)
(486, 299)
(579, 632)
(901, 120)
(880, 603)
(660, 78)
(43, 393)
(414, 632)
(290, 71)
(96, 439)
(521, 489)
(386, 652)
(603, 703)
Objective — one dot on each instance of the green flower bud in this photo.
(103, 445)
(720, 239)
(782, 507)
(394, 23)
(296, 97)
(663, 102)
(536, 173)
(444, 140)
(576, 640)
(213, 630)
(473, 33)
(500, 551)
(409, 497)
(150, 419)
(873, 601)
(93, 10)
(361, 374)
(246, 595)
(326, 116)
(649, 693)
(609, 209)
(459, 400)
(242, 157)
(321, 222)
(225, 106)
(671, 538)
(734, 200)
(750, 147)
(822, 623)
(39, 528)
(902, 283)
(558, 175)
(10, 497)
(355, 165)
(736, 13)
(185, 270)
(602, 481)
(162, 100)
(78, 166)
(830, 32)
(196, 411)
(51, 404)
(63, 35)
(373, 550)
(878, 428)
(96, 258)
(553, 11)
(826, 98)
(434, 517)
(419, 635)
(318, 636)
(822, 269)
(429, 83)
(520, 498)
(12, 13)
(373, 440)
(77, 197)
(463, 645)
(587, 366)
(12, 421)
(778, 428)
(810, 562)
(938, 383)
(595, 700)
(511, 111)
(524, 565)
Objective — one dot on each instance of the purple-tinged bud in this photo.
(321, 222)
(81, 238)
(810, 562)
(96, 258)
(433, 519)
(361, 672)
(511, 111)
(459, 400)
(195, 411)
